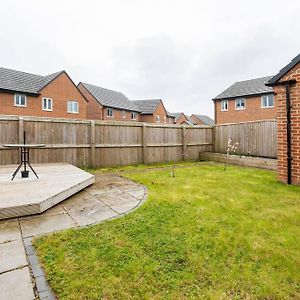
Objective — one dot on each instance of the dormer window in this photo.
(20, 100)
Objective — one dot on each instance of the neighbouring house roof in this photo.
(190, 120)
(284, 70)
(17, 81)
(187, 118)
(110, 98)
(246, 88)
(147, 107)
(205, 119)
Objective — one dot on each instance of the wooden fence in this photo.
(98, 143)
(255, 138)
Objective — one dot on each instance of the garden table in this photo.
(24, 157)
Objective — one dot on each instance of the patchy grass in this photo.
(207, 233)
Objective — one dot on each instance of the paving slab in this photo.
(9, 231)
(12, 256)
(16, 285)
(45, 224)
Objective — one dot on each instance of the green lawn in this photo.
(207, 233)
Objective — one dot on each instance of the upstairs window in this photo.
(72, 107)
(110, 112)
(267, 101)
(157, 118)
(240, 103)
(224, 105)
(123, 114)
(20, 100)
(47, 104)
(133, 116)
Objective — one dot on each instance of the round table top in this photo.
(24, 145)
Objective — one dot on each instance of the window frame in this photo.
(224, 101)
(72, 102)
(157, 118)
(236, 101)
(47, 99)
(123, 114)
(108, 114)
(133, 115)
(262, 101)
(20, 105)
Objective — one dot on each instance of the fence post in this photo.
(213, 138)
(144, 143)
(93, 148)
(184, 145)
(21, 130)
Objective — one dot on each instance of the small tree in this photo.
(231, 148)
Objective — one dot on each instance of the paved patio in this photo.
(21, 276)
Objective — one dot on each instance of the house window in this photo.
(47, 104)
(224, 105)
(123, 114)
(110, 112)
(133, 116)
(267, 101)
(157, 118)
(240, 103)
(20, 100)
(72, 107)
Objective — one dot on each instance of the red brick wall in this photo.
(252, 112)
(60, 90)
(295, 126)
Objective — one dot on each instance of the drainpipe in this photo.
(288, 132)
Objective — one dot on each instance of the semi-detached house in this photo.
(248, 100)
(53, 95)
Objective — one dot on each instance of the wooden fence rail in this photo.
(255, 138)
(99, 143)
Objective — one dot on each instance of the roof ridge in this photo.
(97, 86)
(254, 78)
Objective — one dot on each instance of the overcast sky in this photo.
(184, 52)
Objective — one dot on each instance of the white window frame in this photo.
(73, 104)
(48, 100)
(133, 115)
(268, 100)
(223, 104)
(236, 102)
(123, 114)
(109, 112)
(157, 119)
(17, 96)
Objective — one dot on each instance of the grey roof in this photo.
(12, 80)
(247, 88)
(284, 70)
(147, 107)
(170, 115)
(109, 98)
(177, 115)
(205, 119)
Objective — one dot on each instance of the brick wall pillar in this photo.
(280, 96)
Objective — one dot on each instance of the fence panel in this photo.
(255, 138)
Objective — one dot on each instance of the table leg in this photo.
(17, 170)
(33, 170)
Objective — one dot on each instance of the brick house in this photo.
(182, 119)
(202, 119)
(54, 95)
(286, 85)
(153, 111)
(105, 104)
(249, 100)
